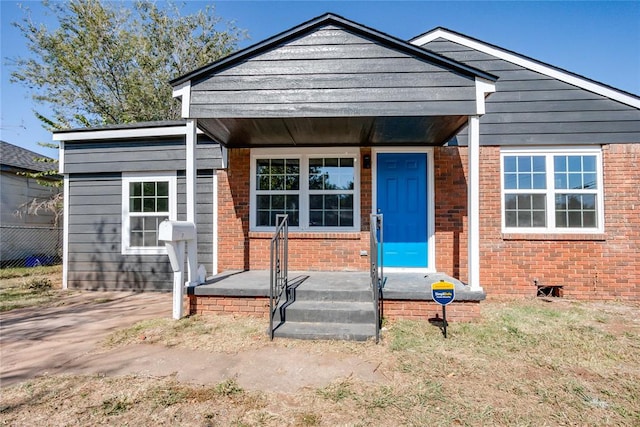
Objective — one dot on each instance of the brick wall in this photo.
(259, 307)
(457, 311)
(604, 266)
(240, 249)
(246, 306)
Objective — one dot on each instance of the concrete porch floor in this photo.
(398, 285)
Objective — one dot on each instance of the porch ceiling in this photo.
(333, 131)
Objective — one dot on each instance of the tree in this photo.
(109, 64)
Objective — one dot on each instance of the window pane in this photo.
(524, 181)
(524, 163)
(524, 219)
(315, 218)
(135, 204)
(330, 219)
(511, 219)
(331, 174)
(148, 188)
(524, 201)
(510, 181)
(575, 181)
(589, 181)
(136, 238)
(589, 219)
(589, 163)
(539, 219)
(163, 204)
(346, 219)
(560, 163)
(561, 181)
(163, 189)
(574, 163)
(510, 201)
(510, 164)
(135, 189)
(148, 205)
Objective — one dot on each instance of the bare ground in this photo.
(118, 359)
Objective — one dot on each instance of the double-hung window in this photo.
(552, 190)
(317, 189)
(146, 202)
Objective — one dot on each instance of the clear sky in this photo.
(599, 40)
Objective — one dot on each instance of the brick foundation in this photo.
(464, 311)
(246, 306)
(461, 311)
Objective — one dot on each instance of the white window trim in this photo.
(550, 191)
(128, 178)
(304, 154)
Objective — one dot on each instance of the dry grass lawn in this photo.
(533, 362)
(526, 363)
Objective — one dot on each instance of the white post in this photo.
(473, 208)
(191, 141)
(178, 282)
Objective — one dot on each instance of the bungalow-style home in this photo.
(491, 170)
(29, 233)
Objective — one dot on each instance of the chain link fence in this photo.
(30, 246)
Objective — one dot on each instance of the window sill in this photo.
(300, 235)
(145, 251)
(593, 237)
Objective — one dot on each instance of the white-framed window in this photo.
(552, 190)
(318, 188)
(147, 200)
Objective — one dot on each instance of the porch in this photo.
(330, 304)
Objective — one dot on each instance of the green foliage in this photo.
(107, 63)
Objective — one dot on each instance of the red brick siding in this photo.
(240, 249)
(247, 306)
(603, 267)
(461, 311)
(259, 307)
(590, 267)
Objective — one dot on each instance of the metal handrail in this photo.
(279, 266)
(377, 268)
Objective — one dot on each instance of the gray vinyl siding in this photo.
(95, 260)
(529, 108)
(139, 155)
(332, 72)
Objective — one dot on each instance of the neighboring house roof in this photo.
(529, 63)
(332, 19)
(21, 158)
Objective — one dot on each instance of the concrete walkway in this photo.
(67, 339)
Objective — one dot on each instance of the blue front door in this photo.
(402, 199)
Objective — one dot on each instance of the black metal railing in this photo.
(376, 254)
(279, 269)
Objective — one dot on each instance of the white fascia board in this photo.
(65, 232)
(531, 65)
(483, 87)
(121, 133)
(183, 91)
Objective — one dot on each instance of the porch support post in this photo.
(192, 253)
(473, 209)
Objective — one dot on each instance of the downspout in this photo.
(483, 87)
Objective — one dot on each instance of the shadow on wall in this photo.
(451, 207)
(102, 267)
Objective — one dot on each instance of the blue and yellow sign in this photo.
(443, 292)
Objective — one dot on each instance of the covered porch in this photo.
(309, 119)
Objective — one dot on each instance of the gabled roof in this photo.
(332, 19)
(21, 158)
(529, 63)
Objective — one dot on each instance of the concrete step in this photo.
(330, 312)
(363, 294)
(326, 331)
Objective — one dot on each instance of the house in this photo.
(26, 237)
(491, 168)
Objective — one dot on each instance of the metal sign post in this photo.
(443, 293)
